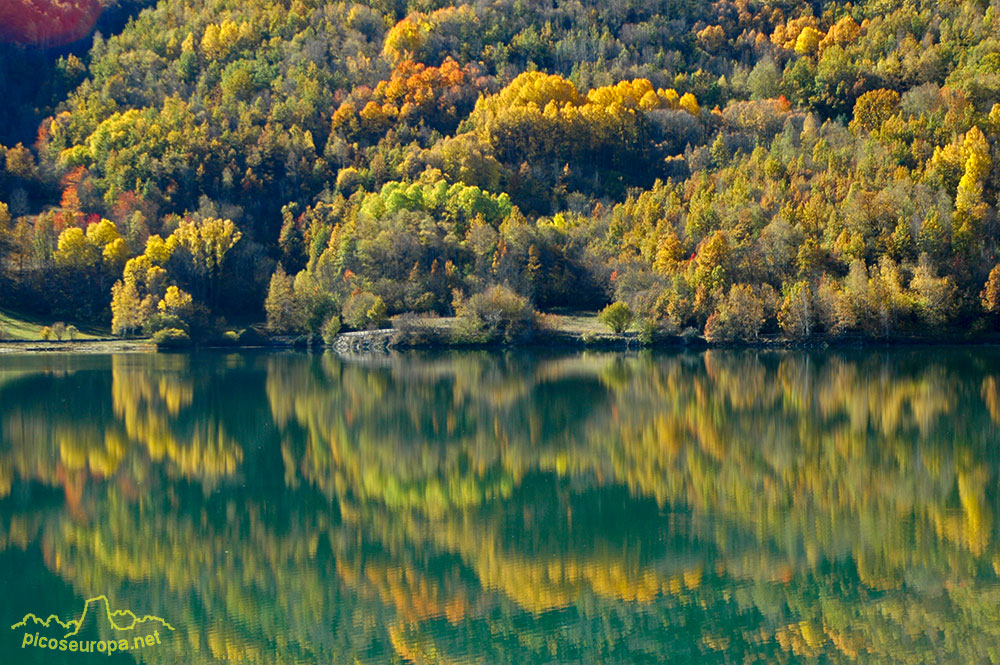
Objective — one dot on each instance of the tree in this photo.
(75, 250)
(497, 312)
(884, 298)
(796, 315)
(970, 208)
(935, 296)
(208, 242)
(807, 43)
(331, 328)
(616, 316)
(176, 302)
(125, 308)
(989, 297)
(873, 108)
(740, 315)
(284, 312)
(359, 308)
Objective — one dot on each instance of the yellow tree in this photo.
(990, 295)
(873, 108)
(176, 302)
(125, 308)
(970, 208)
(208, 242)
(74, 250)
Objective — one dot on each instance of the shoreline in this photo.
(431, 338)
(78, 346)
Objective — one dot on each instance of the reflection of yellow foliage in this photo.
(978, 521)
(848, 645)
(991, 395)
(6, 477)
(802, 639)
(415, 597)
(149, 399)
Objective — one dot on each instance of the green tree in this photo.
(284, 311)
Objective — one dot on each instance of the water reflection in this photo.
(480, 508)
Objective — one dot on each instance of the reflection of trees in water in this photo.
(486, 508)
(63, 423)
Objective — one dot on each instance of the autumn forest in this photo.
(733, 169)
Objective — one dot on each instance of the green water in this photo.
(719, 507)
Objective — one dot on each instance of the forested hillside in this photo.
(740, 168)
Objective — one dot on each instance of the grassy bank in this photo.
(18, 327)
(91, 345)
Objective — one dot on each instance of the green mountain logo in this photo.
(119, 620)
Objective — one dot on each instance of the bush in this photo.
(649, 330)
(45, 333)
(163, 321)
(496, 312)
(331, 329)
(415, 329)
(617, 316)
(407, 321)
(171, 338)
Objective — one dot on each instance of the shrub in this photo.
(45, 333)
(649, 330)
(616, 316)
(407, 321)
(163, 321)
(416, 329)
(496, 312)
(171, 338)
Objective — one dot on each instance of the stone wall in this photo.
(365, 341)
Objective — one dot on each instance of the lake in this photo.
(711, 507)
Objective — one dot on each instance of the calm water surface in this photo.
(719, 507)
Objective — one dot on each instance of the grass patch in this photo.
(15, 326)
(576, 323)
